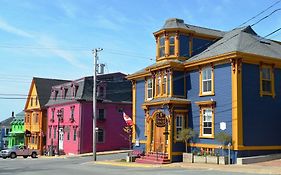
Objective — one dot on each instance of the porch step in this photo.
(154, 158)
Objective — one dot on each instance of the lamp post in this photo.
(59, 113)
(95, 52)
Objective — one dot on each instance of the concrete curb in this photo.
(84, 155)
(253, 169)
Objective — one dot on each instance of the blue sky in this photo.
(54, 39)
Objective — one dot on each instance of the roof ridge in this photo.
(205, 28)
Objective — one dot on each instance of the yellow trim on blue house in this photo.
(190, 45)
(237, 123)
(177, 153)
(202, 145)
(185, 31)
(241, 147)
(177, 44)
(134, 111)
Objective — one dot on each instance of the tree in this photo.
(185, 135)
(223, 138)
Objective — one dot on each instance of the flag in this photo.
(127, 119)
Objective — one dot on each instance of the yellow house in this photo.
(35, 112)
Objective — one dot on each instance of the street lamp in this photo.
(59, 115)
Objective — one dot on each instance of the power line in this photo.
(260, 13)
(276, 10)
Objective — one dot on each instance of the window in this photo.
(50, 132)
(65, 93)
(56, 94)
(36, 117)
(207, 81)
(72, 112)
(149, 89)
(53, 114)
(100, 136)
(158, 85)
(162, 46)
(207, 122)
(36, 101)
(55, 132)
(68, 135)
(62, 114)
(101, 91)
(101, 114)
(172, 45)
(75, 90)
(31, 101)
(164, 84)
(179, 120)
(266, 81)
(74, 134)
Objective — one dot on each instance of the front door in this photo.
(159, 139)
(61, 138)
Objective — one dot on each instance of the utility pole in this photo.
(95, 52)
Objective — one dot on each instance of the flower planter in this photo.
(191, 158)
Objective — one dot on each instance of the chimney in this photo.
(13, 114)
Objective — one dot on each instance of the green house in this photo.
(16, 136)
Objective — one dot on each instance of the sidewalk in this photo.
(269, 168)
(85, 154)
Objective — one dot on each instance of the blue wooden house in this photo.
(5, 129)
(211, 81)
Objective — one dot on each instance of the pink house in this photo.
(71, 102)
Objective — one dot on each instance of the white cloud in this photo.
(50, 43)
(11, 29)
(69, 9)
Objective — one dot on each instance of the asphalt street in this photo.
(85, 166)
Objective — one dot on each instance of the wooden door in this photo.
(159, 139)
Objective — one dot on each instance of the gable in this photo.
(32, 101)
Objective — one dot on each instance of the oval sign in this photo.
(160, 120)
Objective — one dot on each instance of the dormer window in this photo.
(172, 45)
(162, 46)
(75, 90)
(56, 94)
(65, 93)
(101, 91)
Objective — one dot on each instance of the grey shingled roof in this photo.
(118, 89)
(157, 64)
(43, 87)
(175, 23)
(7, 122)
(241, 40)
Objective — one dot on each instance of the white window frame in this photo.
(149, 90)
(210, 120)
(208, 78)
(179, 120)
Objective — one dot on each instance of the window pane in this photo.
(207, 131)
(162, 41)
(266, 86)
(172, 40)
(266, 73)
(162, 51)
(209, 85)
(172, 50)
